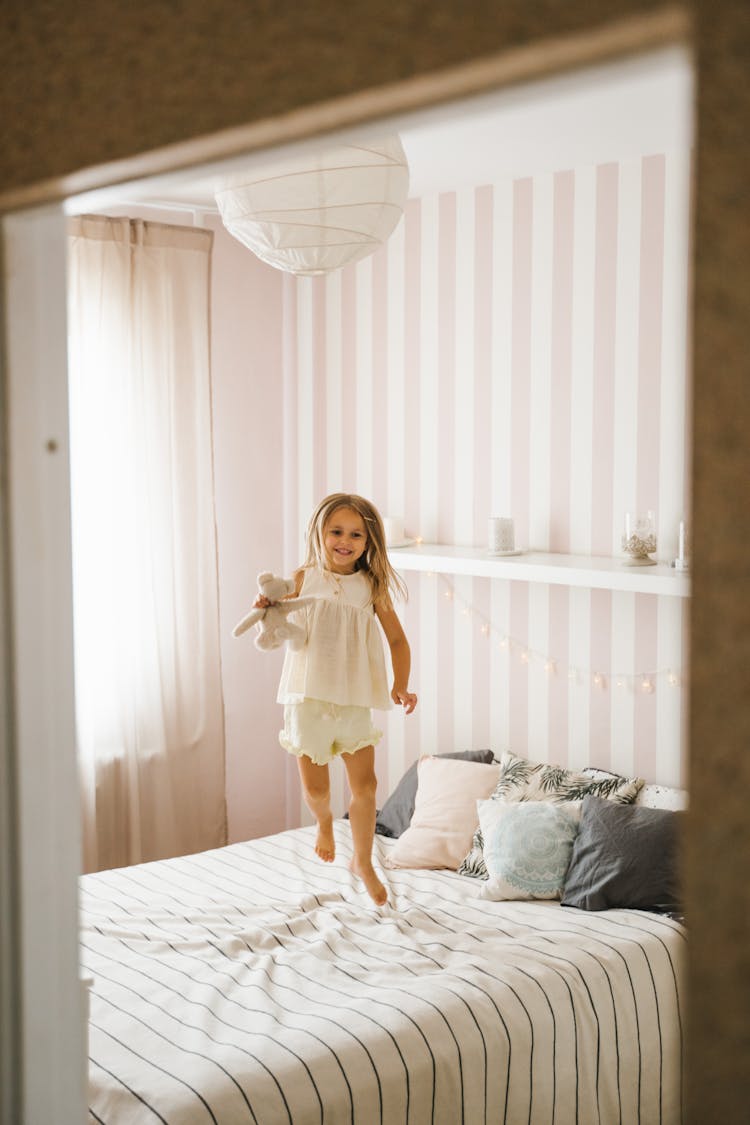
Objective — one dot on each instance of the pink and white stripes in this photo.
(515, 349)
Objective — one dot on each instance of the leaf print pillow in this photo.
(522, 780)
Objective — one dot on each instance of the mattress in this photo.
(254, 983)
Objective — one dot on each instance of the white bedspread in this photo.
(256, 984)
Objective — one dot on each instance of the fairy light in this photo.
(644, 682)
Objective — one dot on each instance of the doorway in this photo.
(48, 833)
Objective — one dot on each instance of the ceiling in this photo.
(623, 110)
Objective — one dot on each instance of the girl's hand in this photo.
(262, 602)
(406, 699)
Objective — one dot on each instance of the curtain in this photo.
(146, 608)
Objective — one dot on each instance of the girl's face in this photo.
(344, 540)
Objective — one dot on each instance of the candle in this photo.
(394, 531)
(681, 551)
(500, 535)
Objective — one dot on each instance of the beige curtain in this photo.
(148, 676)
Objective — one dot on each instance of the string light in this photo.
(644, 682)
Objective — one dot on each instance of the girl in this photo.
(329, 686)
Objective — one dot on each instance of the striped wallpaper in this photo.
(515, 349)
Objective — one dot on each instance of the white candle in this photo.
(394, 531)
(681, 551)
(500, 535)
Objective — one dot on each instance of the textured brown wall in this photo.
(85, 83)
(718, 847)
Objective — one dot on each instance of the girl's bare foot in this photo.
(373, 886)
(325, 845)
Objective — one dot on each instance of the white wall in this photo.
(248, 400)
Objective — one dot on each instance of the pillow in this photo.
(624, 855)
(521, 780)
(662, 797)
(445, 812)
(527, 847)
(395, 815)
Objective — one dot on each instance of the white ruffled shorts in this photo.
(321, 731)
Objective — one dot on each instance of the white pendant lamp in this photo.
(320, 212)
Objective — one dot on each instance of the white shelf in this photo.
(534, 566)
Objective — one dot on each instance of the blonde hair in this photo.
(374, 561)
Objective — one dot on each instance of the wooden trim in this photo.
(614, 40)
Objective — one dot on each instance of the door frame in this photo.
(42, 1006)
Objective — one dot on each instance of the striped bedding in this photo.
(255, 984)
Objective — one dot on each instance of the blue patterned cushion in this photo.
(527, 847)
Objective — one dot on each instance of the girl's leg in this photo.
(316, 789)
(360, 769)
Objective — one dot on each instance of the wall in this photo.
(246, 359)
(82, 85)
(518, 349)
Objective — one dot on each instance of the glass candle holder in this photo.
(639, 539)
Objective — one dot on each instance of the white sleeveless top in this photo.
(342, 661)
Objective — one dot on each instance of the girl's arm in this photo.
(400, 656)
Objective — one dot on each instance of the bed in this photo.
(255, 984)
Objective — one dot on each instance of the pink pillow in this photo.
(445, 812)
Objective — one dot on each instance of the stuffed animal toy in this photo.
(273, 626)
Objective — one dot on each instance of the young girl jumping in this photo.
(329, 686)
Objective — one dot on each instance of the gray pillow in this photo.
(624, 856)
(395, 815)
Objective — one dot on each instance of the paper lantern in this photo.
(322, 211)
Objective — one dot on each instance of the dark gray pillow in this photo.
(395, 815)
(624, 856)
